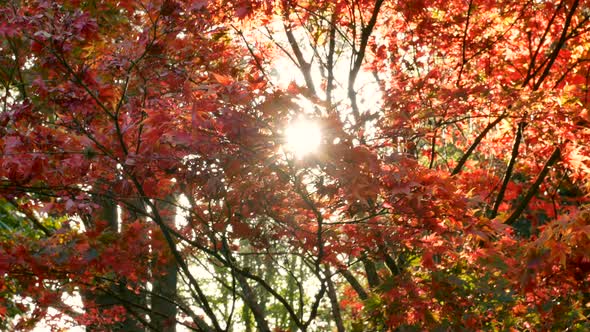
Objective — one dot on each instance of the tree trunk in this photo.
(163, 310)
(130, 299)
(116, 293)
(100, 299)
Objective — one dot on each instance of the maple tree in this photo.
(448, 191)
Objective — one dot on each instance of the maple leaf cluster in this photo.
(144, 165)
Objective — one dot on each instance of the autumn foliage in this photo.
(144, 167)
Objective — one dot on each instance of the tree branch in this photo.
(330, 60)
(464, 44)
(509, 169)
(32, 218)
(534, 187)
(334, 301)
(355, 284)
(304, 66)
(475, 143)
(558, 46)
(359, 57)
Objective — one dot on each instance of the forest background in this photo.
(437, 178)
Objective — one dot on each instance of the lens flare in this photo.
(303, 137)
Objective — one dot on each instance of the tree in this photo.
(448, 190)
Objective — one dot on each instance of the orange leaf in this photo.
(224, 80)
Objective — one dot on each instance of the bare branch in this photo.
(534, 187)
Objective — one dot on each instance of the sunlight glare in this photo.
(303, 137)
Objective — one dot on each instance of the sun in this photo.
(303, 137)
